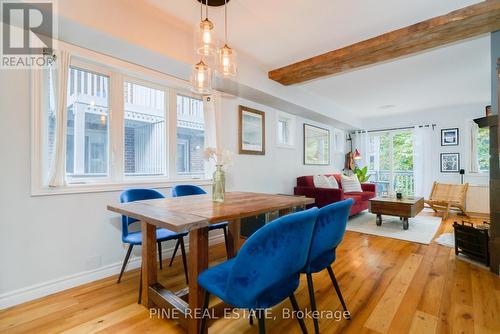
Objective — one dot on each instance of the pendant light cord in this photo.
(206, 9)
(225, 19)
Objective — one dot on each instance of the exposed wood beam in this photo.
(461, 24)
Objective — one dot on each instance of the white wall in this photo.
(53, 242)
(275, 172)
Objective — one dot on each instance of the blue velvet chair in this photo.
(135, 238)
(267, 268)
(188, 190)
(328, 233)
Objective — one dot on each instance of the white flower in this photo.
(218, 157)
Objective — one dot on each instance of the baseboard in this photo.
(36, 291)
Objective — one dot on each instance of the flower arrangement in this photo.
(219, 158)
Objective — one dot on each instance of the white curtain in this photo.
(360, 143)
(473, 161)
(211, 114)
(423, 162)
(57, 171)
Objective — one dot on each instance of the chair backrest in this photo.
(330, 228)
(272, 254)
(450, 193)
(186, 190)
(132, 195)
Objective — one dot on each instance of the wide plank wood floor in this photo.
(390, 286)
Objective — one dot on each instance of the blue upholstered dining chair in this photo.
(267, 268)
(188, 190)
(328, 233)
(135, 238)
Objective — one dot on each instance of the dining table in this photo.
(193, 214)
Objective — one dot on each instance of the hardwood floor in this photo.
(390, 286)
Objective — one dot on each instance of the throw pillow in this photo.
(350, 184)
(323, 181)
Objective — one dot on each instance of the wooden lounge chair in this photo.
(448, 196)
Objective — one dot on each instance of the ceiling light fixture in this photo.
(227, 56)
(205, 36)
(201, 79)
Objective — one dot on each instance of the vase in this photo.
(218, 185)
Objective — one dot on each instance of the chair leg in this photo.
(125, 261)
(159, 255)
(224, 229)
(203, 318)
(262, 321)
(310, 287)
(337, 288)
(140, 288)
(175, 251)
(184, 262)
(295, 307)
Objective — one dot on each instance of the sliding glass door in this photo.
(391, 161)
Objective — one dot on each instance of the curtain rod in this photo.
(400, 128)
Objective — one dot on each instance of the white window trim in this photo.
(116, 180)
(292, 122)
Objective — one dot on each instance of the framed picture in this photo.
(251, 131)
(450, 162)
(316, 145)
(449, 137)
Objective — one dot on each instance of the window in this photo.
(285, 130)
(483, 150)
(124, 124)
(390, 161)
(87, 138)
(190, 137)
(144, 132)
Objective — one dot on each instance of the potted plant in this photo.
(362, 174)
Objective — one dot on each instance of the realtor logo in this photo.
(27, 33)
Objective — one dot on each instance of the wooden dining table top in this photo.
(191, 212)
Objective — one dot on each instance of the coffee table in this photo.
(404, 208)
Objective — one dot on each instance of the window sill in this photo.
(110, 187)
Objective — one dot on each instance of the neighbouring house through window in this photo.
(144, 137)
(87, 124)
(190, 136)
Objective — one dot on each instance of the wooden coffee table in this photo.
(404, 208)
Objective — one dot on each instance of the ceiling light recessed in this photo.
(387, 106)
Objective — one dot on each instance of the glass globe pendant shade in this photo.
(227, 61)
(205, 39)
(201, 79)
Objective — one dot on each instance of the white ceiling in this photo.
(279, 32)
(452, 75)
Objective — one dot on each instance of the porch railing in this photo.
(402, 181)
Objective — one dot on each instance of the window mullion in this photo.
(172, 133)
(116, 127)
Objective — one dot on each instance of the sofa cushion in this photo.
(350, 184)
(365, 195)
(356, 198)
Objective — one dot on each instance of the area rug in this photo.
(421, 228)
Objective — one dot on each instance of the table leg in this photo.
(405, 223)
(148, 261)
(379, 220)
(198, 262)
(233, 237)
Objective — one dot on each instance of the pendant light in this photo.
(205, 38)
(227, 56)
(201, 79)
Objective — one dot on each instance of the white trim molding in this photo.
(36, 291)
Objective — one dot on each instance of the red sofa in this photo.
(324, 196)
